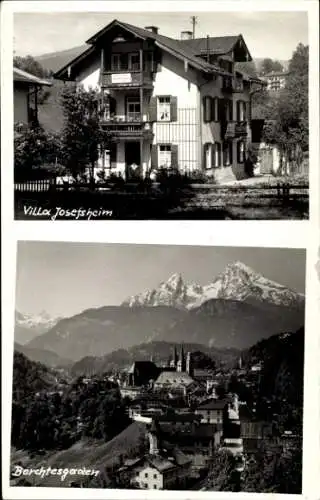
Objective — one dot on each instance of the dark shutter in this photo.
(238, 111)
(207, 110)
(238, 152)
(230, 145)
(153, 109)
(218, 146)
(214, 109)
(204, 147)
(173, 108)
(244, 111)
(174, 155)
(124, 61)
(222, 110)
(154, 156)
(213, 154)
(230, 110)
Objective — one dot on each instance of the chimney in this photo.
(186, 35)
(153, 29)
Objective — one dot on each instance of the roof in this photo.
(20, 75)
(202, 373)
(162, 462)
(174, 378)
(275, 73)
(217, 44)
(142, 365)
(213, 404)
(165, 43)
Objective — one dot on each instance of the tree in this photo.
(82, 134)
(287, 114)
(269, 65)
(31, 65)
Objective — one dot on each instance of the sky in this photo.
(66, 278)
(267, 34)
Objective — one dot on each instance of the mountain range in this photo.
(237, 282)
(29, 326)
(236, 310)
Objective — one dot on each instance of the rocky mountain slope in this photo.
(236, 282)
(49, 358)
(216, 323)
(28, 326)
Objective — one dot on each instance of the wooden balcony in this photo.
(124, 79)
(134, 127)
(235, 130)
(232, 85)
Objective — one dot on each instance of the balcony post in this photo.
(141, 106)
(102, 61)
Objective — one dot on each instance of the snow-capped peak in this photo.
(35, 320)
(237, 282)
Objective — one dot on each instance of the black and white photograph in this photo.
(158, 367)
(161, 115)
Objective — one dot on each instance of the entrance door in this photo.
(133, 160)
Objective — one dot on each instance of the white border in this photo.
(295, 234)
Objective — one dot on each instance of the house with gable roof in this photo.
(168, 103)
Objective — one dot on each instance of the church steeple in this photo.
(174, 362)
(182, 361)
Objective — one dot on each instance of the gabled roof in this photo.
(170, 45)
(174, 378)
(213, 404)
(20, 75)
(218, 45)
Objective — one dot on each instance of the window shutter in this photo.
(208, 114)
(230, 110)
(244, 111)
(230, 145)
(173, 108)
(213, 154)
(218, 145)
(214, 109)
(154, 156)
(153, 109)
(238, 152)
(204, 147)
(238, 111)
(174, 155)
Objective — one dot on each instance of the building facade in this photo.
(25, 90)
(167, 103)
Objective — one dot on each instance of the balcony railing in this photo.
(128, 126)
(235, 129)
(126, 78)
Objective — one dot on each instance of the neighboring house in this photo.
(276, 80)
(26, 88)
(173, 104)
(158, 469)
(212, 411)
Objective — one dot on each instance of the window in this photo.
(229, 110)
(115, 62)
(133, 108)
(145, 485)
(155, 487)
(164, 107)
(241, 148)
(145, 474)
(216, 160)
(207, 156)
(227, 153)
(241, 111)
(134, 61)
(164, 158)
(155, 476)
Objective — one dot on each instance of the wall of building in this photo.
(210, 416)
(174, 78)
(21, 105)
(211, 132)
(154, 479)
(90, 76)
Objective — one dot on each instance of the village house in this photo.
(158, 469)
(168, 103)
(26, 89)
(276, 80)
(213, 411)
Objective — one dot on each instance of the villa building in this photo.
(168, 103)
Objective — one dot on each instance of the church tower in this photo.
(174, 361)
(182, 362)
